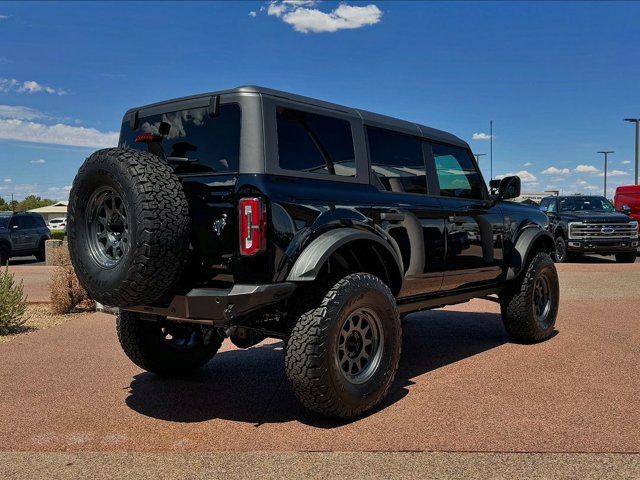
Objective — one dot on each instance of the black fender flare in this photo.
(310, 261)
(529, 237)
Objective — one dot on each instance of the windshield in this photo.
(586, 204)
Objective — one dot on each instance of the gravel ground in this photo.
(40, 317)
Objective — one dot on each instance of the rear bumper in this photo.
(603, 246)
(221, 307)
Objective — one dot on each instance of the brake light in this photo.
(253, 226)
(148, 137)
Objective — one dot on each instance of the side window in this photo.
(397, 162)
(457, 174)
(544, 203)
(552, 206)
(313, 143)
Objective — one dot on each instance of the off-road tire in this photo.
(144, 344)
(5, 253)
(310, 359)
(41, 252)
(517, 304)
(626, 257)
(561, 254)
(157, 219)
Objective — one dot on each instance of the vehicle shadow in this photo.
(249, 385)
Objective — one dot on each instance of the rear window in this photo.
(313, 143)
(195, 142)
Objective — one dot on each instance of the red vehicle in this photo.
(628, 196)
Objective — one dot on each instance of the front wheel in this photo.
(166, 347)
(343, 352)
(561, 255)
(626, 257)
(529, 307)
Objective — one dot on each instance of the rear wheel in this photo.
(343, 352)
(626, 257)
(166, 347)
(4, 254)
(530, 306)
(40, 253)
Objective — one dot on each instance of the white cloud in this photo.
(8, 180)
(625, 162)
(344, 17)
(528, 164)
(613, 173)
(28, 86)
(38, 162)
(480, 136)
(58, 134)
(556, 171)
(253, 13)
(21, 113)
(525, 176)
(4, 17)
(586, 169)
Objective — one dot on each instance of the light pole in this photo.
(478, 155)
(637, 122)
(606, 160)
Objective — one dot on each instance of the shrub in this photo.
(57, 234)
(13, 304)
(67, 295)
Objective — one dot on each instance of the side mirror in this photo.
(509, 188)
(626, 209)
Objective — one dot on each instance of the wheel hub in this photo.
(360, 346)
(542, 298)
(108, 227)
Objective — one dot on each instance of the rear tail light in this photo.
(253, 226)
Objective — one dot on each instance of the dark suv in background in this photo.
(22, 234)
(590, 224)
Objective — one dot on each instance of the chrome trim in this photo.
(597, 231)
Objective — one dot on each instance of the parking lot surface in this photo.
(462, 387)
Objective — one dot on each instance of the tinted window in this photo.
(30, 221)
(4, 222)
(206, 144)
(315, 143)
(397, 161)
(552, 206)
(457, 175)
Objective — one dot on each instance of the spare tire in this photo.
(127, 227)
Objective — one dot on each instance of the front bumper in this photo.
(220, 307)
(602, 246)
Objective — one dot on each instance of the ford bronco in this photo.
(252, 213)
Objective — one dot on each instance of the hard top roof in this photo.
(366, 116)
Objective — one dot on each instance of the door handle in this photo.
(392, 216)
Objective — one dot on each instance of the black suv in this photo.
(590, 224)
(253, 213)
(22, 234)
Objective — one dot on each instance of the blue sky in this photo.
(556, 78)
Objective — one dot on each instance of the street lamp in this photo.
(478, 155)
(637, 122)
(606, 160)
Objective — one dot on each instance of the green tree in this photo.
(32, 201)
